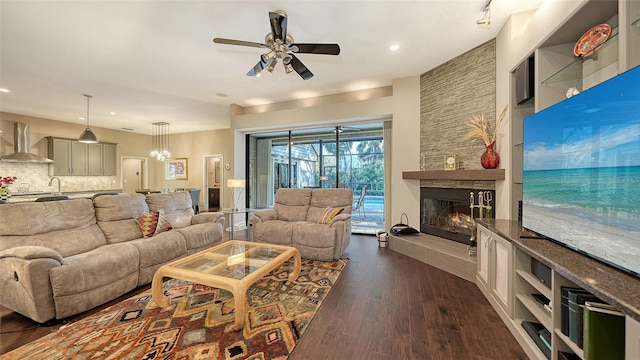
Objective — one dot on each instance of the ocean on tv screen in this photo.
(581, 178)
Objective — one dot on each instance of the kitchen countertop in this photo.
(608, 283)
(32, 196)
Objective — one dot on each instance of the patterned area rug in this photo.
(198, 322)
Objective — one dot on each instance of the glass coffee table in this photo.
(234, 266)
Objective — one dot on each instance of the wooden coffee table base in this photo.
(237, 287)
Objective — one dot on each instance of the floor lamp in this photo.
(234, 184)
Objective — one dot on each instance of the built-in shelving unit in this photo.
(471, 175)
(507, 278)
(602, 57)
(557, 70)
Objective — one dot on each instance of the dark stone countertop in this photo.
(608, 283)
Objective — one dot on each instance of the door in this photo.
(212, 182)
(133, 174)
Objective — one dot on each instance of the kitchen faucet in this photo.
(51, 182)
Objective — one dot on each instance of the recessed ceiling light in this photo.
(112, 113)
(394, 47)
(128, 129)
(222, 94)
(4, 90)
(82, 118)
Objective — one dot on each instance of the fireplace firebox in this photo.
(447, 212)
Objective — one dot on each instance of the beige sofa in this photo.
(61, 258)
(293, 221)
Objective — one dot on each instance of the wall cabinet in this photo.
(72, 157)
(519, 294)
(101, 159)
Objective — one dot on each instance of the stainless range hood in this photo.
(22, 143)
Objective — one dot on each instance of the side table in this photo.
(231, 214)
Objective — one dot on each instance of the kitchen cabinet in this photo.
(60, 152)
(79, 157)
(101, 159)
(72, 157)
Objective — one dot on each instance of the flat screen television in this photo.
(581, 178)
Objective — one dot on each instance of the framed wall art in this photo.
(177, 169)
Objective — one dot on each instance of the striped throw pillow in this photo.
(328, 214)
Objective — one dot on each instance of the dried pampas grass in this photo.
(480, 129)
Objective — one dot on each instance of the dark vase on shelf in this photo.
(490, 159)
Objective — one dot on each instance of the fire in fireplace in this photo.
(447, 212)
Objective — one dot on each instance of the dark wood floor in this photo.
(384, 306)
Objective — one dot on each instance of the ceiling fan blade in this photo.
(324, 49)
(299, 67)
(239, 42)
(278, 20)
(256, 70)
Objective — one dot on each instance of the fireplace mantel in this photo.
(490, 174)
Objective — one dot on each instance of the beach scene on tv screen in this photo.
(581, 178)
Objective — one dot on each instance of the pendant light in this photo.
(160, 141)
(87, 135)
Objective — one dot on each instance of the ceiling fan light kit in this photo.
(282, 47)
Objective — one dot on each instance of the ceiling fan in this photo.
(282, 47)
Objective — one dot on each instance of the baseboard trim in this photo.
(446, 255)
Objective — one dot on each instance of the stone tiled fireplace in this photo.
(450, 94)
(446, 212)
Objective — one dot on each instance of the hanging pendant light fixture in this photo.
(160, 141)
(87, 135)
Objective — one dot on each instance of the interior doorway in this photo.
(133, 171)
(212, 183)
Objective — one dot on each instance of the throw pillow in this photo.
(328, 214)
(163, 223)
(152, 223)
(147, 223)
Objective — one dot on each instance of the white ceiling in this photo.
(155, 61)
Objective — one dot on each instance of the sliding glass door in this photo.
(343, 156)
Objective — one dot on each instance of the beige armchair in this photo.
(298, 219)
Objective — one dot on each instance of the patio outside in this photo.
(371, 219)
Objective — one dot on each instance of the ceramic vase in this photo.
(490, 159)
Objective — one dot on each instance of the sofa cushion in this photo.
(93, 269)
(177, 207)
(274, 232)
(68, 227)
(292, 204)
(93, 278)
(314, 241)
(200, 236)
(116, 216)
(160, 248)
(328, 214)
(323, 198)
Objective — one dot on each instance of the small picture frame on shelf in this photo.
(451, 162)
(177, 169)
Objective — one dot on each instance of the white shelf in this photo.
(575, 71)
(237, 228)
(533, 281)
(565, 339)
(536, 309)
(524, 335)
